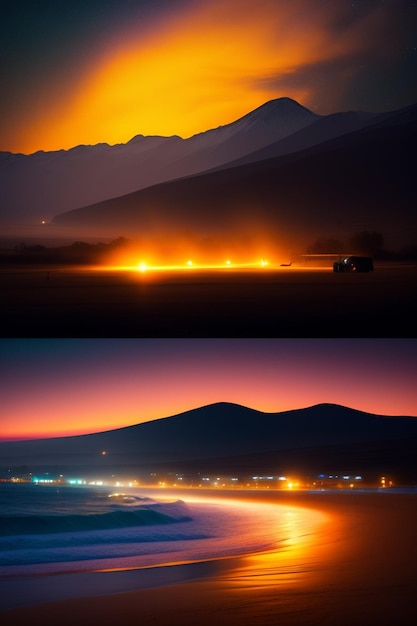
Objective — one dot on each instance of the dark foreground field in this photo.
(303, 302)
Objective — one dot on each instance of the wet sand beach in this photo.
(356, 565)
(71, 302)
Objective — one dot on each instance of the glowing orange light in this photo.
(124, 265)
(185, 73)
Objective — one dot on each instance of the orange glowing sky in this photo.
(184, 67)
(55, 387)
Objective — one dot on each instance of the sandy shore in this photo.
(358, 566)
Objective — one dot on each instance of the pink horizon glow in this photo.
(69, 387)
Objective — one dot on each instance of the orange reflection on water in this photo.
(304, 541)
(300, 547)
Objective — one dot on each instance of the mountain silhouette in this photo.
(360, 180)
(231, 437)
(39, 185)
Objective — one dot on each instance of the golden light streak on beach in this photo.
(289, 564)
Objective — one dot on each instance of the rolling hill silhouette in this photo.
(229, 437)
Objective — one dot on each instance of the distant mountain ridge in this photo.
(298, 175)
(43, 184)
(219, 433)
(351, 181)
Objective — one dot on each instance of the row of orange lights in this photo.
(143, 266)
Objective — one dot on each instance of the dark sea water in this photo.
(45, 509)
(48, 529)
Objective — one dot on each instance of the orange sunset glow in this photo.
(182, 73)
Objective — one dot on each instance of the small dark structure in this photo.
(354, 264)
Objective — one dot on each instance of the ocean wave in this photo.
(216, 529)
(126, 513)
(127, 499)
